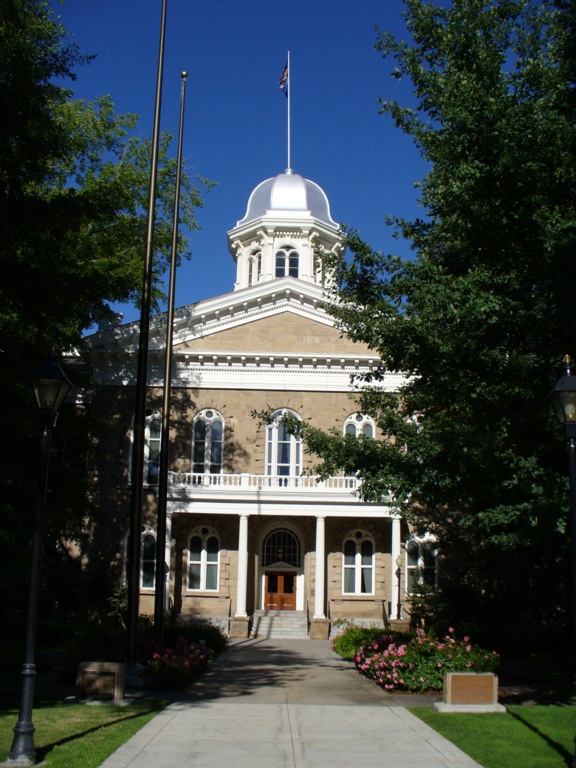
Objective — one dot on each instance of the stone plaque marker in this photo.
(100, 680)
(470, 692)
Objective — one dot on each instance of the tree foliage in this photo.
(480, 317)
(73, 204)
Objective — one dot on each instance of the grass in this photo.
(539, 736)
(79, 735)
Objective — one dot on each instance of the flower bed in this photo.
(176, 667)
(420, 664)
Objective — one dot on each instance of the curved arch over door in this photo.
(281, 559)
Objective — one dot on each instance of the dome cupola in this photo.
(286, 219)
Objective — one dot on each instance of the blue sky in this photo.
(236, 115)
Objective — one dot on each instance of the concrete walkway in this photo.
(286, 704)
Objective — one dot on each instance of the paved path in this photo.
(286, 704)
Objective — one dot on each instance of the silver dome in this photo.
(288, 195)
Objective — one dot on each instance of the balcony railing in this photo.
(247, 482)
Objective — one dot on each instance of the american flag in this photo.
(283, 82)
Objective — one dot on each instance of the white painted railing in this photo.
(247, 482)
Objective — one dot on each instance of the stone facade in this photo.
(249, 528)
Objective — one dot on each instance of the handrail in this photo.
(245, 481)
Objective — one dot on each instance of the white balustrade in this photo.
(248, 482)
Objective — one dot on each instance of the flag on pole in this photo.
(283, 82)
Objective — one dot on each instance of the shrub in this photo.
(197, 632)
(176, 667)
(353, 638)
(420, 664)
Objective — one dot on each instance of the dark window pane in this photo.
(272, 582)
(148, 547)
(412, 552)
(366, 580)
(195, 548)
(216, 430)
(194, 576)
(366, 550)
(212, 549)
(351, 429)
(293, 264)
(288, 583)
(211, 577)
(148, 574)
(199, 429)
(349, 552)
(280, 264)
(349, 578)
(429, 555)
(367, 430)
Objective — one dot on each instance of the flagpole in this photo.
(289, 168)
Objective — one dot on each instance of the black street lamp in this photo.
(564, 401)
(398, 584)
(50, 389)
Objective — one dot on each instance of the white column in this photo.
(320, 581)
(242, 567)
(394, 578)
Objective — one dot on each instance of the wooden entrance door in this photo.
(280, 591)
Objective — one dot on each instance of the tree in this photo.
(73, 202)
(482, 314)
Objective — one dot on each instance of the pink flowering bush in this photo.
(419, 665)
(176, 667)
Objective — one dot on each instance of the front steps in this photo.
(277, 624)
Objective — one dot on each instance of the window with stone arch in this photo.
(250, 271)
(359, 424)
(421, 564)
(283, 450)
(207, 442)
(148, 559)
(203, 560)
(281, 546)
(287, 262)
(152, 440)
(358, 564)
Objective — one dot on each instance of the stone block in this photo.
(319, 629)
(101, 680)
(239, 627)
(470, 692)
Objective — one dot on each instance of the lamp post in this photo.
(398, 577)
(50, 389)
(564, 401)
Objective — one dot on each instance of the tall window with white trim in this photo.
(287, 262)
(203, 561)
(207, 442)
(152, 440)
(148, 559)
(421, 564)
(283, 450)
(358, 564)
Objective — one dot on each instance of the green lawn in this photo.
(78, 735)
(539, 736)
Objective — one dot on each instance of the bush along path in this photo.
(419, 664)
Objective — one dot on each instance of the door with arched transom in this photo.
(281, 563)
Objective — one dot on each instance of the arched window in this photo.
(152, 439)
(287, 262)
(148, 559)
(203, 561)
(258, 265)
(421, 564)
(207, 442)
(283, 450)
(359, 424)
(358, 564)
(281, 546)
(250, 271)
